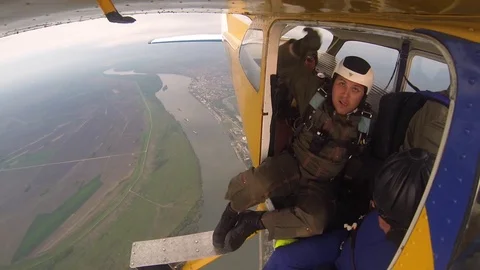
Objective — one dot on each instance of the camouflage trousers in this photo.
(312, 205)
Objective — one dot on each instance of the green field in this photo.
(161, 198)
(29, 159)
(45, 224)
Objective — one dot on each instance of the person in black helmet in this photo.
(326, 133)
(397, 190)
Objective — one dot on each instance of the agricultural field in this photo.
(98, 160)
(91, 161)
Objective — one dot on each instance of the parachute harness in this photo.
(322, 137)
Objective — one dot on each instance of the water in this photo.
(218, 163)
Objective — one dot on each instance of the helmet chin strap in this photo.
(348, 114)
(354, 111)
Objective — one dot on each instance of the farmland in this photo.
(58, 134)
(90, 163)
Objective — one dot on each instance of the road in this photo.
(69, 161)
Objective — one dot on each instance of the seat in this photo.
(354, 184)
(394, 114)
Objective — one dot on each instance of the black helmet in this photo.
(399, 185)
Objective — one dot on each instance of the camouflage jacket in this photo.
(303, 83)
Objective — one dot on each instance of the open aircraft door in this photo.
(244, 41)
(253, 58)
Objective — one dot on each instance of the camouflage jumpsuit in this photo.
(300, 172)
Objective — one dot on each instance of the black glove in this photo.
(309, 44)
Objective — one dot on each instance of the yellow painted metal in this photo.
(197, 264)
(417, 253)
(237, 27)
(466, 28)
(107, 6)
(452, 7)
(250, 102)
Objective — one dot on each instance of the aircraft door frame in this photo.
(273, 34)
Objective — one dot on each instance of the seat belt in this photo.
(445, 101)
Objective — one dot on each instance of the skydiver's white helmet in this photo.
(357, 70)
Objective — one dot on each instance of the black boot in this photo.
(249, 222)
(227, 221)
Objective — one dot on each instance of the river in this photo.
(218, 162)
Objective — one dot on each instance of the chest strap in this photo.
(353, 146)
(305, 120)
(321, 137)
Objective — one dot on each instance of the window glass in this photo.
(428, 74)
(251, 56)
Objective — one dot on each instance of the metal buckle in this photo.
(367, 114)
(322, 91)
(308, 127)
(295, 124)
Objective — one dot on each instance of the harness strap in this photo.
(321, 137)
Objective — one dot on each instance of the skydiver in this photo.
(397, 190)
(326, 134)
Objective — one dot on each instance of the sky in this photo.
(101, 33)
(27, 53)
(30, 53)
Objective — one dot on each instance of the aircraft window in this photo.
(428, 74)
(251, 56)
(382, 60)
(298, 33)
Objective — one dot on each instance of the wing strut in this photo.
(112, 13)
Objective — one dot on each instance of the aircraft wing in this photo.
(20, 16)
(188, 38)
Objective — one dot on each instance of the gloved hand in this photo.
(309, 44)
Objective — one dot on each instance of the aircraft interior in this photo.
(409, 71)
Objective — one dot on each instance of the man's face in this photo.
(346, 95)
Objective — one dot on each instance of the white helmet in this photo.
(357, 70)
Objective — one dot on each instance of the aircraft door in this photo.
(244, 40)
